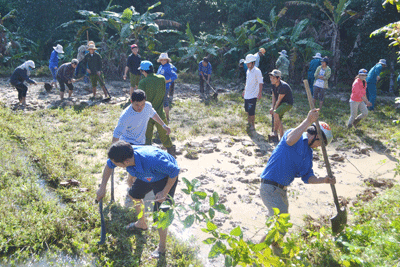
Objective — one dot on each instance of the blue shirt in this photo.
(374, 73)
(169, 72)
(151, 164)
(206, 70)
(288, 162)
(53, 62)
(314, 64)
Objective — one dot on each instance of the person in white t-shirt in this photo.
(132, 123)
(253, 89)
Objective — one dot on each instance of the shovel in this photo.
(339, 221)
(273, 137)
(215, 95)
(108, 93)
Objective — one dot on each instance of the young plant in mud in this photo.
(232, 246)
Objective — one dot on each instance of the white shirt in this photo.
(132, 125)
(253, 80)
(257, 55)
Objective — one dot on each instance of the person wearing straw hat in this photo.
(64, 77)
(94, 67)
(282, 64)
(21, 74)
(132, 65)
(372, 78)
(358, 99)
(252, 90)
(314, 64)
(261, 52)
(53, 63)
(166, 70)
(154, 87)
(155, 170)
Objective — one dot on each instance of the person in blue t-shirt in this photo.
(314, 64)
(53, 63)
(372, 78)
(155, 170)
(167, 70)
(205, 70)
(293, 158)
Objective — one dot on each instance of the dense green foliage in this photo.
(225, 30)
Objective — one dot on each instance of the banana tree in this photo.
(336, 17)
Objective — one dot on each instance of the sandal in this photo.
(132, 227)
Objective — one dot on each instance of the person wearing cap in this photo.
(259, 54)
(292, 158)
(155, 170)
(132, 65)
(322, 75)
(132, 124)
(314, 64)
(154, 87)
(64, 77)
(205, 70)
(282, 64)
(372, 78)
(282, 99)
(252, 90)
(358, 99)
(166, 69)
(94, 67)
(21, 74)
(53, 63)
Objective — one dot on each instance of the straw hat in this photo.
(164, 56)
(262, 50)
(92, 46)
(58, 49)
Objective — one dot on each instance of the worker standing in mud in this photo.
(155, 170)
(132, 65)
(21, 74)
(293, 158)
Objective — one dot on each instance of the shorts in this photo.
(135, 79)
(282, 109)
(94, 78)
(139, 190)
(62, 85)
(274, 197)
(319, 93)
(250, 106)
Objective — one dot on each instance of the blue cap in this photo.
(362, 72)
(145, 65)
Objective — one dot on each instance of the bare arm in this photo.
(322, 180)
(102, 190)
(271, 111)
(260, 91)
(114, 139)
(295, 135)
(160, 121)
(126, 72)
(161, 196)
(278, 102)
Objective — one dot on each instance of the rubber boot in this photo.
(172, 150)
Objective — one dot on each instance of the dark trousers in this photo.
(22, 89)
(204, 83)
(171, 89)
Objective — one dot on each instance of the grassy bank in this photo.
(43, 148)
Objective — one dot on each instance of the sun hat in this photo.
(134, 46)
(276, 73)
(262, 50)
(163, 56)
(382, 61)
(325, 59)
(58, 49)
(250, 58)
(362, 72)
(283, 53)
(241, 61)
(92, 46)
(75, 61)
(145, 65)
(317, 55)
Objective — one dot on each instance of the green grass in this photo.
(60, 144)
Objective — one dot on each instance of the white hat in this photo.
(317, 55)
(283, 53)
(163, 56)
(382, 61)
(241, 61)
(58, 49)
(250, 58)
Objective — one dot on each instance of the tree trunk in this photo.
(335, 48)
